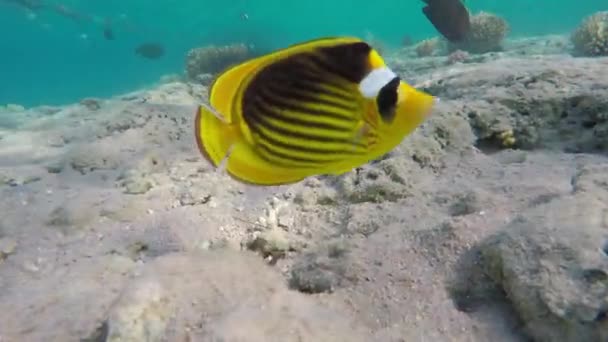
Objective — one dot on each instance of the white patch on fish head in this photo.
(374, 81)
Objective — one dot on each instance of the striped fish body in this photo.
(321, 107)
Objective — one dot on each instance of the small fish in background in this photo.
(244, 16)
(108, 33)
(31, 5)
(449, 17)
(324, 106)
(407, 41)
(31, 15)
(69, 13)
(150, 50)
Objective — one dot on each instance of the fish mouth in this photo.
(416, 104)
(426, 104)
(434, 102)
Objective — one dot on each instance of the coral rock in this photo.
(214, 59)
(591, 37)
(487, 33)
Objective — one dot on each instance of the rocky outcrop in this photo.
(487, 223)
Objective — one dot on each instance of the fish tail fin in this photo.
(214, 136)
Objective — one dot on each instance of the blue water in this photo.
(46, 60)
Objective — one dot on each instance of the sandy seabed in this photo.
(489, 223)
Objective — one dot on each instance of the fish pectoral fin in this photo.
(223, 164)
(214, 136)
(215, 113)
(361, 132)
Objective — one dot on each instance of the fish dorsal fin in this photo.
(227, 85)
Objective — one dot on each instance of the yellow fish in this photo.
(325, 106)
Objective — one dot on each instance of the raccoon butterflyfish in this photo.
(321, 107)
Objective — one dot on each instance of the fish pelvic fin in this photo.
(214, 135)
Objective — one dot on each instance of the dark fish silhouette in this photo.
(71, 14)
(150, 50)
(108, 33)
(449, 17)
(32, 5)
(407, 40)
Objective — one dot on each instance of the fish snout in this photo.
(415, 105)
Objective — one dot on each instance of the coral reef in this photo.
(458, 56)
(486, 35)
(591, 37)
(214, 59)
(427, 47)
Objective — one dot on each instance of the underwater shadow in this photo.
(476, 294)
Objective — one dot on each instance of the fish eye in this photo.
(387, 100)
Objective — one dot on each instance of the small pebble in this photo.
(7, 247)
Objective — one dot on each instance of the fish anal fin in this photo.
(246, 166)
(214, 137)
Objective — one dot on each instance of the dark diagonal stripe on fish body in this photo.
(304, 113)
(319, 149)
(302, 93)
(288, 130)
(302, 90)
(289, 139)
(319, 76)
(303, 110)
(301, 153)
(297, 80)
(287, 156)
(300, 122)
(284, 160)
(307, 70)
(258, 117)
(333, 87)
(350, 61)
